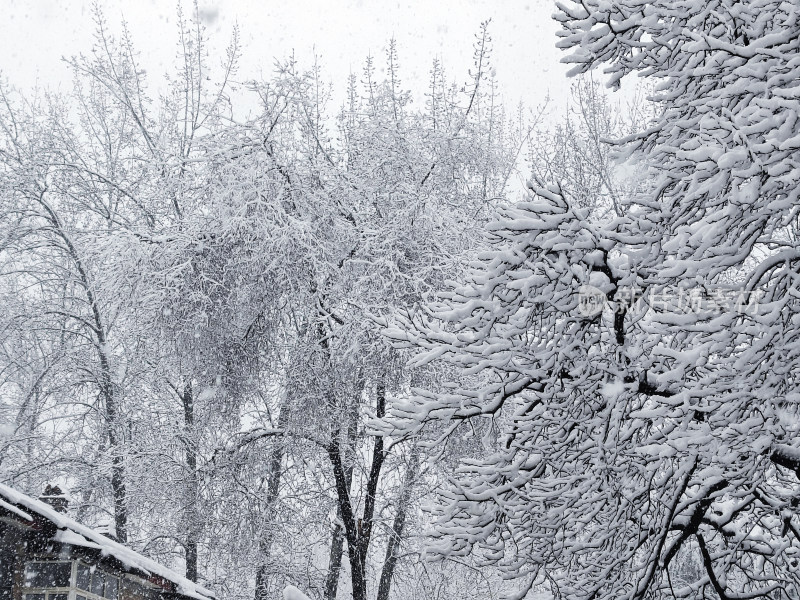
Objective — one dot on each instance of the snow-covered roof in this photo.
(72, 532)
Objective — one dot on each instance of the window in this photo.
(48, 580)
(84, 579)
(112, 586)
(6, 573)
(98, 583)
(95, 582)
(56, 580)
(48, 574)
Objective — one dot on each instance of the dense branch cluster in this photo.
(649, 450)
(191, 304)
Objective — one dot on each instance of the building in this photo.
(45, 555)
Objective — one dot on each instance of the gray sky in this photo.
(37, 33)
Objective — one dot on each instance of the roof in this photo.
(73, 533)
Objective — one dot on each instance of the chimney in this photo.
(55, 498)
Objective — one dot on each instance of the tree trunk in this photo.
(104, 382)
(273, 485)
(390, 560)
(358, 532)
(334, 560)
(354, 553)
(192, 485)
(338, 535)
(114, 442)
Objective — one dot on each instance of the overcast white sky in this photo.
(35, 34)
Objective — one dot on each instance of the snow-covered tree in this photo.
(100, 386)
(626, 443)
(344, 221)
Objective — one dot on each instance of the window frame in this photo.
(47, 591)
(72, 591)
(88, 594)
